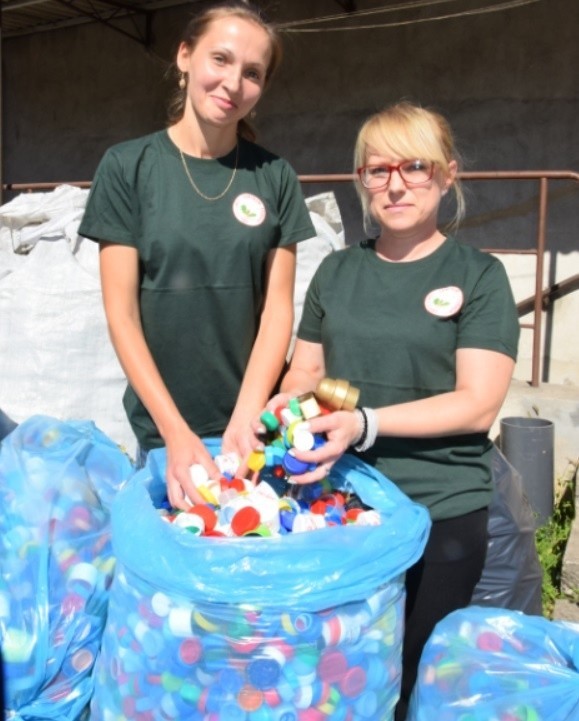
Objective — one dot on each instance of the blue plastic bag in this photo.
(57, 481)
(484, 663)
(306, 624)
(344, 567)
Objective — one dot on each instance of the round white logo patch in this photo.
(444, 302)
(249, 209)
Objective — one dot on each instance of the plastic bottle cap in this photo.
(303, 439)
(82, 660)
(287, 519)
(245, 520)
(489, 641)
(319, 507)
(249, 698)
(262, 530)
(293, 465)
(288, 416)
(190, 651)
(294, 406)
(353, 681)
(332, 666)
(309, 405)
(237, 484)
(352, 514)
(369, 518)
(206, 513)
(269, 420)
(263, 673)
(190, 521)
(179, 622)
(207, 494)
(227, 463)
(198, 474)
(256, 460)
(160, 604)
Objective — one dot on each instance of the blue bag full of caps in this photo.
(57, 482)
(300, 627)
(488, 663)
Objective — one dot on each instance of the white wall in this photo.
(559, 323)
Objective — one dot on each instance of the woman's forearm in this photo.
(119, 266)
(144, 377)
(483, 379)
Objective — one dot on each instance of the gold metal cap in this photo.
(337, 394)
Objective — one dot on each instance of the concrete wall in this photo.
(507, 81)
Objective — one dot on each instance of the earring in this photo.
(252, 114)
(182, 81)
(444, 192)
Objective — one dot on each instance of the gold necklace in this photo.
(196, 189)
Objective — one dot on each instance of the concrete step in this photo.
(566, 611)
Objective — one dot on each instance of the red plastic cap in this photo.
(319, 507)
(207, 514)
(245, 520)
(237, 484)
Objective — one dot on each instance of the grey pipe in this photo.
(528, 445)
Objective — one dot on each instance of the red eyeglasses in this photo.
(412, 172)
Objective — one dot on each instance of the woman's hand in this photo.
(183, 451)
(342, 429)
(280, 400)
(240, 438)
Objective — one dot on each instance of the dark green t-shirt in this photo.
(391, 330)
(201, 263)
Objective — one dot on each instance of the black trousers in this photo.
(440, 582)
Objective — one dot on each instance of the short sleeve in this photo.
(490, 319)
(110, 210)
(310, 327)
(294, 218)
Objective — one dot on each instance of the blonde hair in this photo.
(198, 26)
(405, 130)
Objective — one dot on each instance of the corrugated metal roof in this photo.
(23, 17)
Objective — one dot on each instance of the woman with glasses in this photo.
(427, 329)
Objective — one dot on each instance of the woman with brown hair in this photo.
(197, 228)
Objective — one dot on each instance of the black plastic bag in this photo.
(512, 576)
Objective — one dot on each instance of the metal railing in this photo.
(535, 303)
